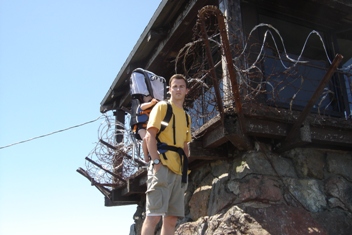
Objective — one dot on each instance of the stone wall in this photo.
(303, 191)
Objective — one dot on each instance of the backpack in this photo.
(144, 83)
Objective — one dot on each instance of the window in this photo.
(344, 44)
(294, 63)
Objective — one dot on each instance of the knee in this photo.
(170, 221)
(152, 220)
(149, 224)
(146, 138)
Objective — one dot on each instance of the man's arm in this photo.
(147, 105)
(186, 149)
(151, 142)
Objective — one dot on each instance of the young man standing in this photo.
(166, 182)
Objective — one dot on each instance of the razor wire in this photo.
(110, 162)
(284, 82)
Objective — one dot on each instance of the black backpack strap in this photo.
(167, 118)
(162, 147)
(164, 124)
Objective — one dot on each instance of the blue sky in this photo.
(57, 61)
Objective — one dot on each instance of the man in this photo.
(166, 184)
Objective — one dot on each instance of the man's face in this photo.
(178, 89)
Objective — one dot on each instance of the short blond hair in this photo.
(178, 76)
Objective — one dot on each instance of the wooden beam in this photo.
(266, 128)
(214, 138)
(156, 34)
(302, 138)
(331, 136)
(208, 126)
(133, 186)
(129, 194)
(309, 133)
(118, 195)
(198, 152)
(121, 201)
(233, 132)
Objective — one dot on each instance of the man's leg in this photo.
(149, 225)
(169, 224)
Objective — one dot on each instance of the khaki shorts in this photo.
(164, 195)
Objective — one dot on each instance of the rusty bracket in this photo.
(106, 192)
(101, 167)
(231, 69)
(202, 16)
(303, 116)
(138, 161)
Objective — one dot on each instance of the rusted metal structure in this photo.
(237, 63)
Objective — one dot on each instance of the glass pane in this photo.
(344, 42)
(290, 83)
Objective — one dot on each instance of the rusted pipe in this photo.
(227, 51)
(101, 167)
(106, 192)
(201, 16)
(139, 162)
(337, 60)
